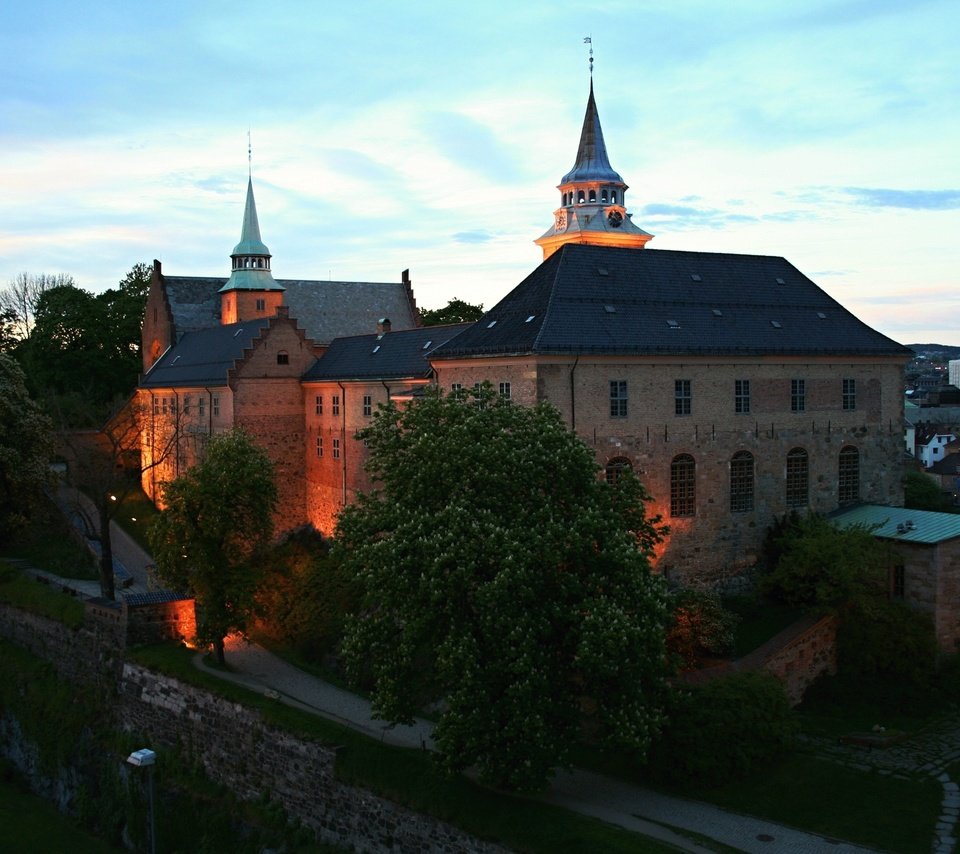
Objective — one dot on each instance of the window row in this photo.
(335, 405)
(334, 449)
(683, 396)
(581, 196)
(505, 389)
(683, 480)
(170, 405)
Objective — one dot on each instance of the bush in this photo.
(724, 730)
(699, 626)
(887, 639)
(307, 595)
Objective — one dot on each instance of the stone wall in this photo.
(232, 743)
(797, 657)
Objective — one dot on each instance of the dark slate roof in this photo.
(205, 357)
(325, 310)
(949, 465)
(391, 355)
(597, 299)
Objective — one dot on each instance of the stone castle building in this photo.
(733, 385)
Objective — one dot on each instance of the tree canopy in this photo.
(26, 448)
(503, 578)
(455, 311)
(211, 537)
(922, 492)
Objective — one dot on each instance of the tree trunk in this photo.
(106, 555)
(218, 649)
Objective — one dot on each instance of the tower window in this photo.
(798, 478)
(683, 479)
(593, 195)
(603, 195)
(580, 198)
(613, 197)
(741, 482)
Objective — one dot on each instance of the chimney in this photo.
(383, 325)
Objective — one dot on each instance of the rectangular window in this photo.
(318, 404)
(849, 394)
(682, 397)
(505, 390)
(741, 396)
(618, 398)
(186, 405)
(319, 446)
(335, 404)
(166, 405)
(798, 395)
(156, 406)
(201, 406)
(216, 406)
(367, 405)
(283, 358)
(261, 305)
(336, 449)
(455, 387)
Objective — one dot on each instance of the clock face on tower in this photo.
(615, 218)
(561, 223)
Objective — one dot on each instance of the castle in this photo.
(732, 385)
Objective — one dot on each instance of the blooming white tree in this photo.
(506, 579)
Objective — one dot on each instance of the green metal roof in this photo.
(251, 278)
(901, 524)
(250, 242)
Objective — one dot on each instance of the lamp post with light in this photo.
(145, 758)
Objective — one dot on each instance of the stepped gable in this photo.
(402, 354)
(204, 357)
(597, 299)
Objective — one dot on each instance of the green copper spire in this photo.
(251, 258)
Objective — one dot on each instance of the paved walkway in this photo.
(623, 804)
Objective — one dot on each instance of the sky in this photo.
(431, 136)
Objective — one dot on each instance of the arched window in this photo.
(580, 197)
(741, 482)
(798, 478)
(565, 197)
(848, 476)
(616, 467)
(603, 195)
(683, 492)
(613, 197)
(593, 195)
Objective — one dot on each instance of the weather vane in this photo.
(250, 154)
(589, 40)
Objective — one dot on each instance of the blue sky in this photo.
(431, 136)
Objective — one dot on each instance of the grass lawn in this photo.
(37, 598)
(29, 823)
(135, 515)
(759, 621)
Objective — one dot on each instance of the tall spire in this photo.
(592, 194)
(250, 268)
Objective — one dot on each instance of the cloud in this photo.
(472, 146)
(917, 200)
(472, 237)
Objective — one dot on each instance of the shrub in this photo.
(887, 639)
(699, 626)
(307, 595)
(724, 730)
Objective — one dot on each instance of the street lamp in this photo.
(146, 758)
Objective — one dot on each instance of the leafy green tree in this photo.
(503, 579)
(922, 492)
(700, 627)
(455, 311)
(26, 448)
(824, 567)
(211, 538)
(19, 299)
